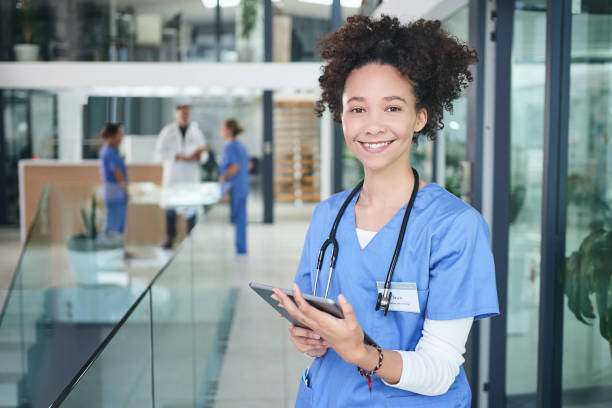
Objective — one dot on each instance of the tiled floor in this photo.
(261, 367)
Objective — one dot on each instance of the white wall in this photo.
(70, 124)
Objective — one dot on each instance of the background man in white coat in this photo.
(181, 147)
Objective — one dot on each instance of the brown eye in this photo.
(357, 110)
(394, 109)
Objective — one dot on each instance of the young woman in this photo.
(413, 267)
(114, 175)
(234, 169)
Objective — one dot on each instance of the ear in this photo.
(421, 120)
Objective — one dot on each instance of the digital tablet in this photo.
(322, 304)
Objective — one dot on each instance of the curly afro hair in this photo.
(435, 62)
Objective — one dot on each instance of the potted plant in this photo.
(247, 16)
(91, 251)
(26, 51)
(587, 275)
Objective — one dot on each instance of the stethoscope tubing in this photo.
(334, 243)
(400, 238)
(331, 240)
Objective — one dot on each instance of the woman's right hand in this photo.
(308, 342)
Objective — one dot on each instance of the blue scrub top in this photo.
(445, 252)
(235, 152)
(109, 161)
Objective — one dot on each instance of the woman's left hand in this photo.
(345, 336)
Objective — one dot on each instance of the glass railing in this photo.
(168, 349)
(75, 317)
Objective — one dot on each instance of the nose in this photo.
(374, 126)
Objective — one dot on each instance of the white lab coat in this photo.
(170, 143)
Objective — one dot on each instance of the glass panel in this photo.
(192, 312)
(121, 375)
(587, 323)
(70, 290)
(134, 30)
(214, 299)
(29, 131)
(297, 26)
(527, 118)
(22, 310)
(173, 336)
(189, 30)
(455, 122)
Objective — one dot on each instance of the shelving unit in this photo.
(297, 153)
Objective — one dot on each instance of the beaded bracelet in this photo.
(368, 374)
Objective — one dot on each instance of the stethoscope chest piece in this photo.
(384, 301)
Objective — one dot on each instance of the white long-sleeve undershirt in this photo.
(432, 368)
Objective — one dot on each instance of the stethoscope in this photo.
(384, 298)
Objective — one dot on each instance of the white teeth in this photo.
(375, 145)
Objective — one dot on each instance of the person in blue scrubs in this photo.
(115, 178)
(388, 84)
(234, 174)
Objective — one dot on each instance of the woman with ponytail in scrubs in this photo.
(114, 175)
(388, 85)
(234, 171)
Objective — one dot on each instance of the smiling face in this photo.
(379, 117)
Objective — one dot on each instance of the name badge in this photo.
(404, 296)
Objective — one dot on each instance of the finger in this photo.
(293, 310)
(282, 298)
(347, 309)
(310, 312)
(301, 332)
(299, 299)
(318, 352)
(305, 342)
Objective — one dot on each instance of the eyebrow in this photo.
(386, 98)
(394, 97)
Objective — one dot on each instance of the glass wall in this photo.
(158, 30)
(132, 30)
(526, 155)
(455, 122)
(29, 130)
(587, 324)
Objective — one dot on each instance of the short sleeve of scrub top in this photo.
(230, 155)
(462, 278)
(302, 277)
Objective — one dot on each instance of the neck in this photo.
(387, 188)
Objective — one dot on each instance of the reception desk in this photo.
(145, 221)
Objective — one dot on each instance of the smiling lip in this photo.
(375, 147)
